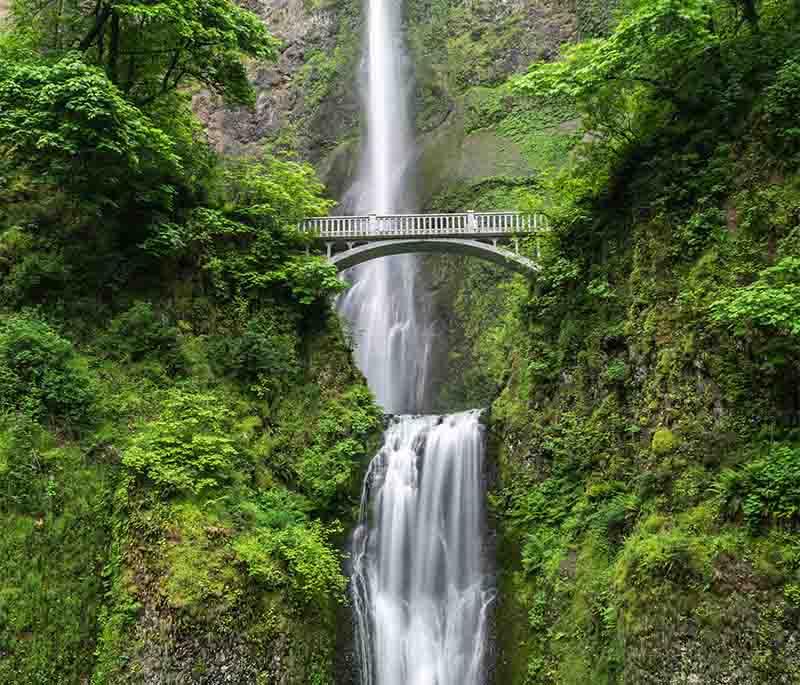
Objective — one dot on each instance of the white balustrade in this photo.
(373, 227)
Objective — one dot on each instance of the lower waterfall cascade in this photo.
(421, 593)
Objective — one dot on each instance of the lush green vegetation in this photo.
(647, 425)
(182, 431)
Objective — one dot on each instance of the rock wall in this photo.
(463, 54)
(306, 100)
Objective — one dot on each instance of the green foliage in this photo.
(322, 70)
(140, 332)
(278, 508)
(149, 49)
(41, 375)
(666, 299)
(780, 107)
(100, 148)
(107, 177)
(192, 293)
(297, 557)
(251, 244)
(540, 126)
(541, 546)
(34, 469)
(772, 302)
(273, 191)
(764, 490)
(188, 448)
(68, 123)
(617, 371)
(53, 540)
(27, 272)
(664, 442)
(702, 228)
(199, 568)
(329, 465)
(265, 355)
(651, 59)
(669, 554)
(210, 509)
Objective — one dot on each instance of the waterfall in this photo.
(420, 591)
(387, 306)
(419, 584)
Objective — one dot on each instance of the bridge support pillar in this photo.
(329, 247)
(350, 244)
(516, 245)
(494, 242)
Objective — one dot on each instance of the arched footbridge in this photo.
(494, 236)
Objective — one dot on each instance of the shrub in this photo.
(23, 465)
(29, 270)
(772, 302)
(327, 468)
(781, 105)
(287, 550)
(265, 355)
(40, 373)
(189, 447)
(766, 489)
(140, 331)
(69, 123)
(540, 548)
(277, 508)
(664, 442)
(616, 372)
(666, 554)
(297, 557)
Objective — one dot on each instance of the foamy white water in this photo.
(386, 307)
(420, 589)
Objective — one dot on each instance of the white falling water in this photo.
(420, 589)
(390, 149)
(386, 304)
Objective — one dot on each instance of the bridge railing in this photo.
(381, 227)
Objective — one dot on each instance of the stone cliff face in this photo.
(463, 53)
(307, 100)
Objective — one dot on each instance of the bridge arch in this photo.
(383, 248)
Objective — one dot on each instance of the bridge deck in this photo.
(470, 225)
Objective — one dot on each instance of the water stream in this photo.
(387, 306)
(420, 586)
(420, 590)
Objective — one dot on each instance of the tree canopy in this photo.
(149, 49)
(669, 56)
(67, 122)
(106, 170)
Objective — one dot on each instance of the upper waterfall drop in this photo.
(387, 306)
(390, 137)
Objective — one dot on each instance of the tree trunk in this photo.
(101, 17)
(113, 54)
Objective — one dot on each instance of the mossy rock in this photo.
(664, 442)
(450, 156)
